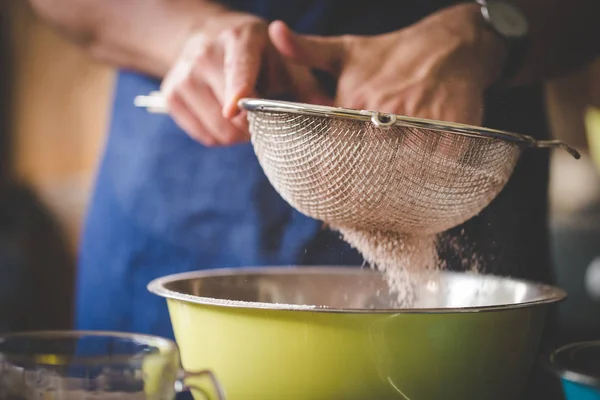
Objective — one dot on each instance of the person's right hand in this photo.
(222, 63)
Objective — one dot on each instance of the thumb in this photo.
(318, 52)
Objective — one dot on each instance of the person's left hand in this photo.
(438, 68)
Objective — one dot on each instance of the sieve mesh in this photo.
(354, 174)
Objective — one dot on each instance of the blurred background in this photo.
(52, 124)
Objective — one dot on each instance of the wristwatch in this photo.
(509, 22)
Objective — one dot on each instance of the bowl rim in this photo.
(566, 373)
(166, 346)
(157, 286)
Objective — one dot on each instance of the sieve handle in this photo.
(558, 143)
(154, 102)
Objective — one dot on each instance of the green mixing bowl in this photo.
(469, 336)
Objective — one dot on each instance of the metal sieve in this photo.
(372, 171)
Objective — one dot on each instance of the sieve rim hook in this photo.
(558, 143)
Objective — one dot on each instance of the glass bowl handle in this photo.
(181, 386)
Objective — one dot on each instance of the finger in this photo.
(322, 53)
(348, 98)
(202, 102)
(241, 122)
(201, 61)
(306, 87)
(187, 121)
(181, 71)
(242, 63)
(275, 77)
(213, 77)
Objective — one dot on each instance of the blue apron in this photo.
(165, 204)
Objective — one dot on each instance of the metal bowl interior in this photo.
(350, 290)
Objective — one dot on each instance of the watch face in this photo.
(506, 19)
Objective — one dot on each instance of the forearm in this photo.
(143, 35)
(564, 35)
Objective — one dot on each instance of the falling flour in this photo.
(462, 252)
(407, 260)
(398, 257)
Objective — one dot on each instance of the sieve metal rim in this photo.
(386, 120)
(155, 102)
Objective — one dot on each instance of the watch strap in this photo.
(516, 49)
(516, 52)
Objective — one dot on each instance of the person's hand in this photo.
(231, 57)
(438, 68)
